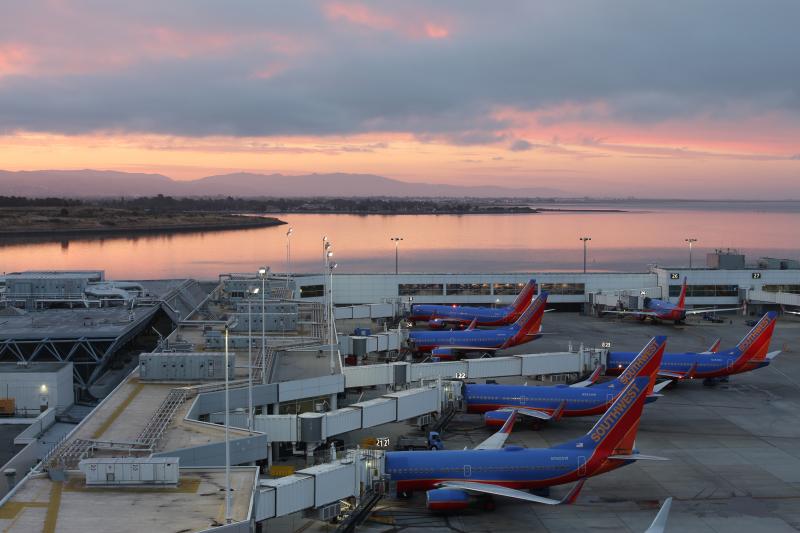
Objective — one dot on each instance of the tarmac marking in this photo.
(184, 486)
(12, 509)
(53, 506)
(118, 411)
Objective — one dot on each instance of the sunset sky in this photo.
(684, 98)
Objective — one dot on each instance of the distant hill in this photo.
(102, 183)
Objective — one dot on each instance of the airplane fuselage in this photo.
(512, 466)
(580, 401)
(485, 316)
(425, 341)
(714, 365)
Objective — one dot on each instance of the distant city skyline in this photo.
(681, 99)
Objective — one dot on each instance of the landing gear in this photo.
(404, 495)
(488, 504)
(709, 382)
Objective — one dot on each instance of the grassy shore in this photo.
(18, 223)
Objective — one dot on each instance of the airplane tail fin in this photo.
(646, 364)
(524, 297)
(615, 432)
(527, 326)
(755, 345)
(682, 298)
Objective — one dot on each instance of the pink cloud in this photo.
(14, 59)
(409, 25)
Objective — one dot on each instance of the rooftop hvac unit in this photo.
(117, 471)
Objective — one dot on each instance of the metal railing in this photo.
(150, 436)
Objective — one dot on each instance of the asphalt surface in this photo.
(733, 448)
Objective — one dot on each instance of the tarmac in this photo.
(734, 459)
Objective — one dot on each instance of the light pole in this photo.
(250, 293)
(288, 255)
(585, 239)
(331, 334)
(262, 273)
(396, 246)
(228, 517)
(691, 241)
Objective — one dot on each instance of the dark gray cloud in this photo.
(246, 68)
(521, 145)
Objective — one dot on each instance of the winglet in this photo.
(596, 374)
(559, 412)
(509, 424)
(472, 324)
(692, 371)
(572, 495)
(714, 348)
(660, 521)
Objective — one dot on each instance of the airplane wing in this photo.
(496, 441)
(660, 521)
(591, 379)
(709, 310)
(555, 416)
(638, 457)
(679, 375)
(789, 312)
(633, 312)
(497, 490)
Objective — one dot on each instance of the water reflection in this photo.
(444, 243)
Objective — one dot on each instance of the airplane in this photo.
(657, 309)
(550, 403)
(452, 478)
(789, 311)
(449, 344)
(439, 316)
(751, 353)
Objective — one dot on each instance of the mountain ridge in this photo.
(90, 183)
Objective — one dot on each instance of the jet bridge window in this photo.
(469, 289)
(312, 291)
(794, 289)
(508, 289)
(564, 288)
(705, 291)
(420, 289)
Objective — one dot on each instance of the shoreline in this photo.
(52, 233)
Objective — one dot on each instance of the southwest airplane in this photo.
(751, 353)
(552, 402)
(449, 344)
(656, 309)
(451, 477)
(438, 316)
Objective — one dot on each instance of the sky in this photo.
(693, 99)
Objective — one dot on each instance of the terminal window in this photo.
(508, 289)
(469, 288)
(705, 291)
(420, 289)
(564, 288)
(794, 289)
(312, 291)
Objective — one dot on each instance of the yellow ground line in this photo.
(51, 518)
(12, 509)
(118, 411)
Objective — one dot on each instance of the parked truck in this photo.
(431, 442)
